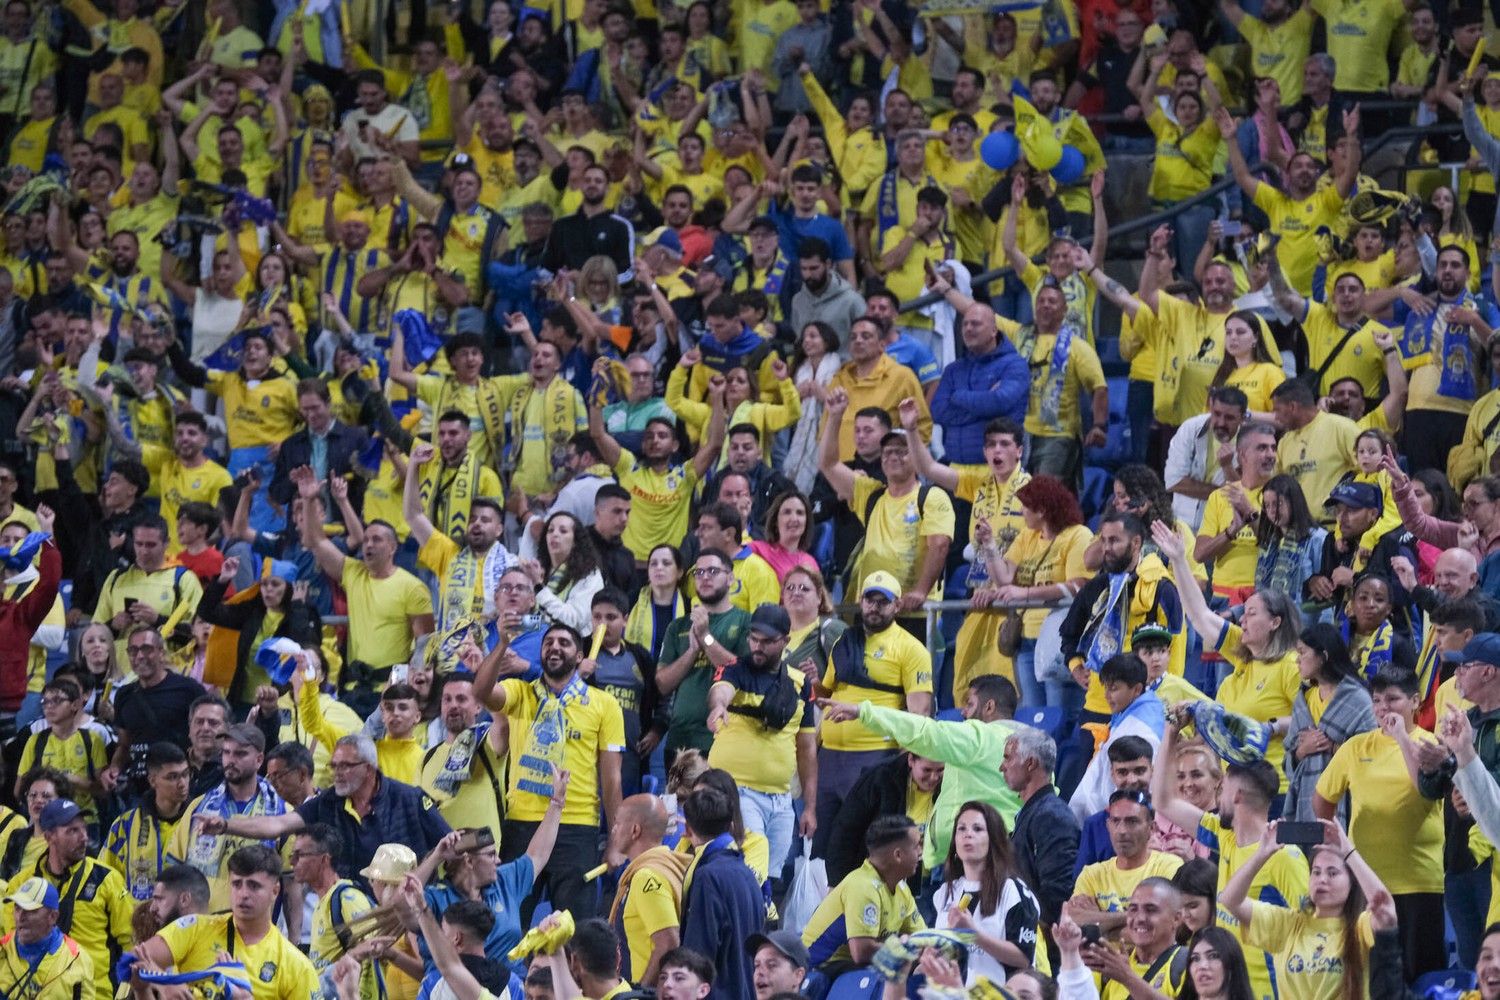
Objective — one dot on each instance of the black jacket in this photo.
(880, 791)
(616, 563)
(301, 623)
(344, 445)
(1046, 841)
(577, 237)
(88, 557)
(766, 484)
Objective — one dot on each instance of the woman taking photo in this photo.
(659, 602)
(1045, 562)
(1332, 704)
(789, 535)
(567, 571)
(989, 898)
(1216, 967)
(1289, 538)
(1321, 951)
(813, 367)
(1261, 649)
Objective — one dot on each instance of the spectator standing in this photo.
(714, 634)
(1201, 455)
(646, 911)
(152, 707)
(1045, 834)
(722, 904)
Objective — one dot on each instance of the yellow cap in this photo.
(882, 582)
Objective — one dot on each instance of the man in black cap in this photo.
(779, 963)
(760, 711)
(1357, 507)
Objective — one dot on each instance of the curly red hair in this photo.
(1051, 498)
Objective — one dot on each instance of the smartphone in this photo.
(401, 673)
(1092, 933)
(474, 839)
(1231, 227)
(1299, 834)
(530, 623)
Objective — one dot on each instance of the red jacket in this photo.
(19, 620)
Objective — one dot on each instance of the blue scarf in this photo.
(540, 760)
(1377, 655)
(888, 204)
(720, 357)
(32, 954)
(224, 976)
(1106, 632)
(1056, 370)
(1420, 336)
(1236, 739)
(1147, 710)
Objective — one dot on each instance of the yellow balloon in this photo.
(1042, 148)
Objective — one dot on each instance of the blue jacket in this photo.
(975, 390)
(724, 906)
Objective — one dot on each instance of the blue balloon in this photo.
(1000, 150)
(1070, 168)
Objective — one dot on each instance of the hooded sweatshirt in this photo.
(838, 305)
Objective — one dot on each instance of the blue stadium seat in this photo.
(822, 548)
(950, 715)
(1442, 982)
(1098, 485)
(857, 984)
(1048, 718)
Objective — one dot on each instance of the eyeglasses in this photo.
(515, 588)
(798, 588)
(58, 700)
(703, 572)
(141, 649)
(341, 766)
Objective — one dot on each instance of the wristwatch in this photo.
(708, 641)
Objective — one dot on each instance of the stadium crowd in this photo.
(791, 499)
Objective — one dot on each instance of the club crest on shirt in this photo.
(268, 972)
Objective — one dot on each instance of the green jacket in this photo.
(970, 752)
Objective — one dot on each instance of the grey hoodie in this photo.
(838, 305)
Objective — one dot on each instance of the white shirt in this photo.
(393, 118)
(1014, 920)
(1192, 454)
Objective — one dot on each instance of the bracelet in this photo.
(1388, 350)
(1351, 851)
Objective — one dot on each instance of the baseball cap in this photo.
(789, 943)
(881, 582)
(771, 620)
(246, 735)
(763, 222)
(1150, 633)
(58, 812)
(1483, 648)
(391, 863)
(1352, 494)
(35, 894)
(664, 237)
(718, 264)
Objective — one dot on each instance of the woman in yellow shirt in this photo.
(703, 46)
(1247, 365)
(1185, 151)
(1045, 562)
(1321, 951)
(1456, 230)
(741, 399)
(1262, 649)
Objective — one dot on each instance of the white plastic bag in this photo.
(809, 886)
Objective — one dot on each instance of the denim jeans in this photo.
(770, 814)
(1033, 692)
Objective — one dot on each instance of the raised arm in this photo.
(1235, 896)
(1397, 384)
(1107, 286)
(713, 436)
(1242, 175)
(1164, 784)
(609, 449)
(1288, 299)
(329, 559)
(1013, 254)
(839, 475)
(1194, 607)
(411, 503)
(928, 467)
